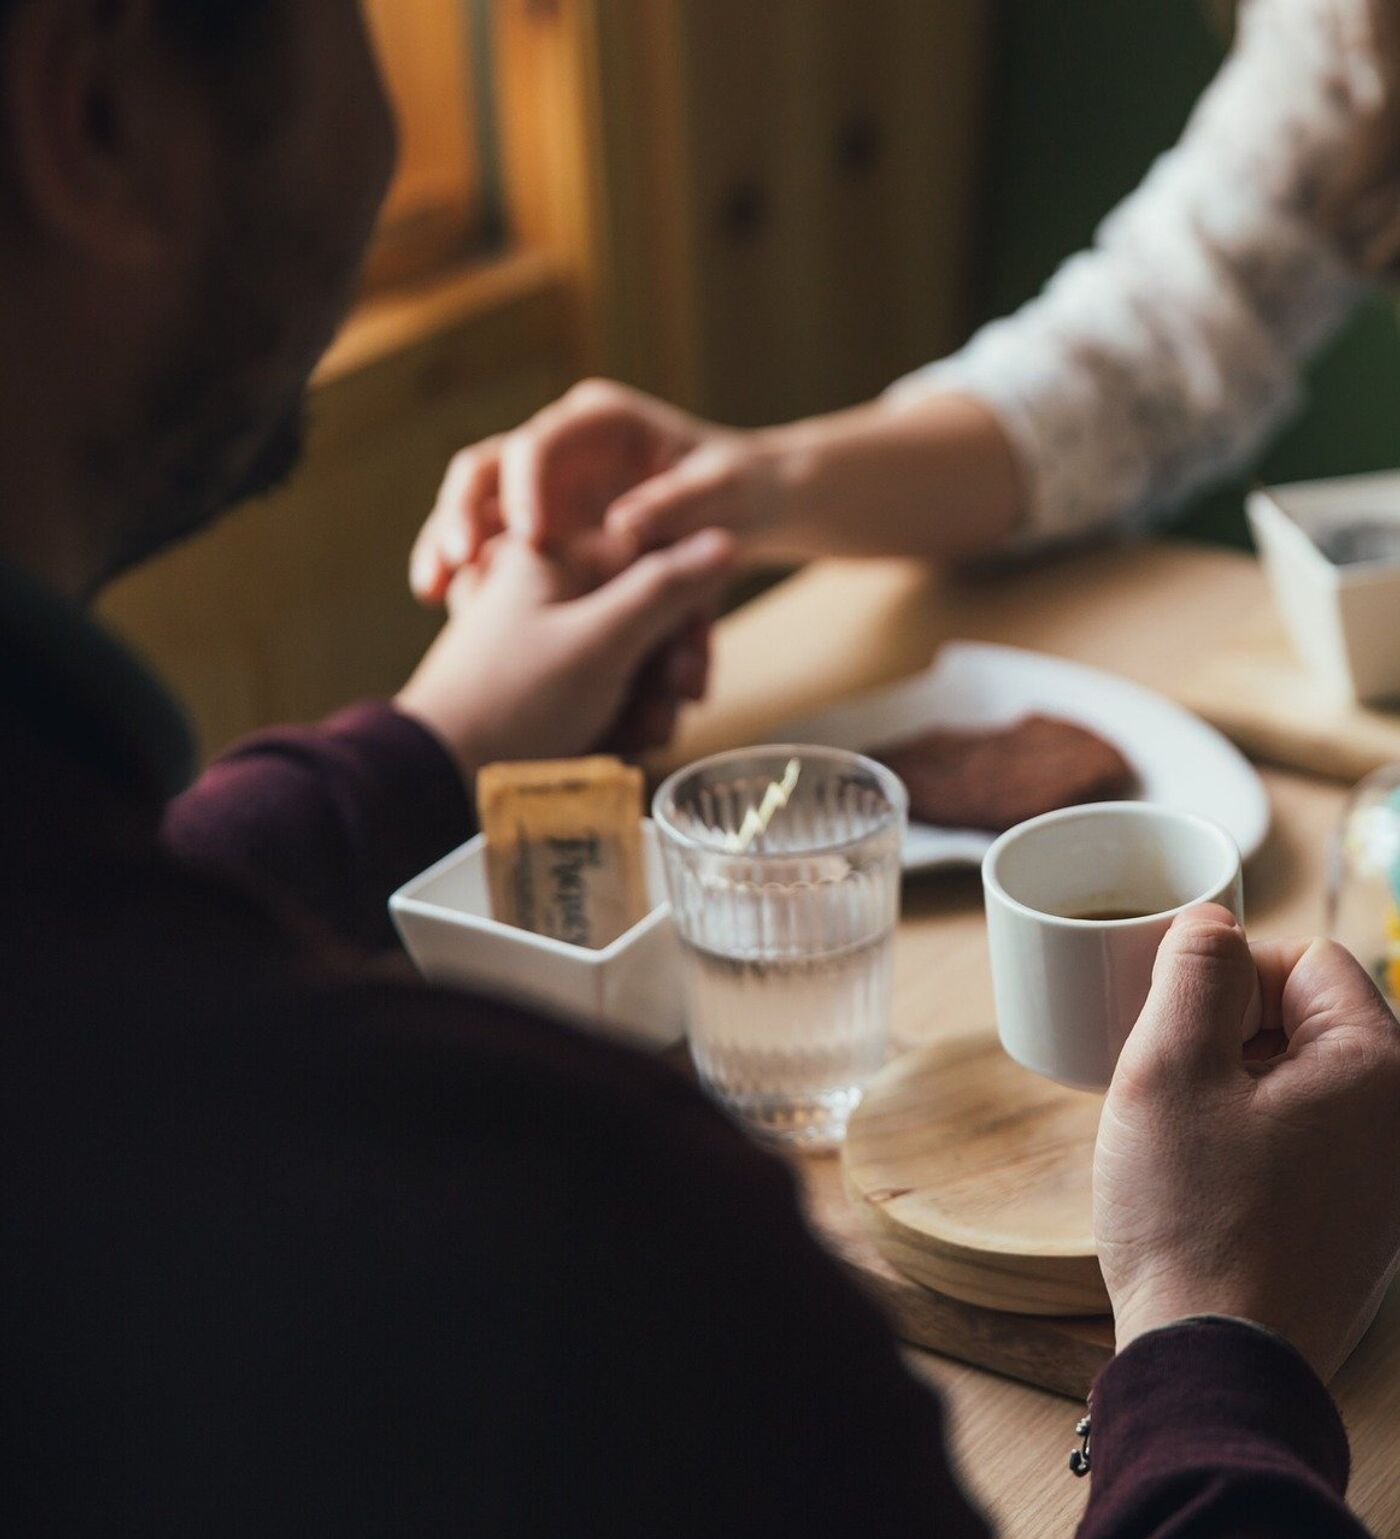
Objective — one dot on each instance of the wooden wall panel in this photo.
(836, 193)
(792, 193)
(650, 331)
(548, 80)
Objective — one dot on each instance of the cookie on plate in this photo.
(994, 778)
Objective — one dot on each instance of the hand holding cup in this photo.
(1246, 1162)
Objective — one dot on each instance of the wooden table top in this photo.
(1154, 614)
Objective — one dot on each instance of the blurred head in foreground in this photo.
(187, 189)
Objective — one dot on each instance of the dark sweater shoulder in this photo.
(408, 1255)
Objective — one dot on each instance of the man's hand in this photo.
(536, 663)
(1246, 1162)
(601, 457)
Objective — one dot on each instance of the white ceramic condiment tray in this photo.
(1342, 619)
(629, 990)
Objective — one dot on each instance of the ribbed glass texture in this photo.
(787, 931)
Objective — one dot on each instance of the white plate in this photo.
(1180, 761)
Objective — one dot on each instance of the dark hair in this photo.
(211, 24)
(199, 25)
(218, 37)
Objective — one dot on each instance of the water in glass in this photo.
(788, 934)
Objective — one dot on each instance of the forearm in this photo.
(325, 823)
(1214, 1430)
(1162, 359)
(935, 478)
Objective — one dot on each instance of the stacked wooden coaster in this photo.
(971, 1179)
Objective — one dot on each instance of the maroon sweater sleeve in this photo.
(326, 822)
(1212, 1429)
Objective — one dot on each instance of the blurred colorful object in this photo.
(1364, 879)
(1391, 982)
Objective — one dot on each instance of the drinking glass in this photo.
(1363, 886)
(783, 865)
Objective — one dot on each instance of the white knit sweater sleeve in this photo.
(1163, 357)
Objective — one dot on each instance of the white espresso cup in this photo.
(1070, 977)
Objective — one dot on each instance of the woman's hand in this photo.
(1246, 1161)
(603, 458)
(536, 662)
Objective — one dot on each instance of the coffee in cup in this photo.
(1109, 913)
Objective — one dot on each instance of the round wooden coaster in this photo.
(973, 1176)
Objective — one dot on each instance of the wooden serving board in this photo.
(920, 1092)
(1257, 691)
(1051, 1352)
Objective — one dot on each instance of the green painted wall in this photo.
(1087, 93)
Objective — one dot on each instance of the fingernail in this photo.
(625, 540)
(712, 545)
(454, 544)
(620, 519)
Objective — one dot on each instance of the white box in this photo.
(630, 990)
(1344, 621)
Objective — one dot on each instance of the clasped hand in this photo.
(576, 622)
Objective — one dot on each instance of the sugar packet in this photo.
(564, 847)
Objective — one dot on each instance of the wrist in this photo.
(1164, 1309)
(1240, 1321)
(938, 480)
(777, 474)
(1185, 1397)
(439, 716)
(792, 468)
